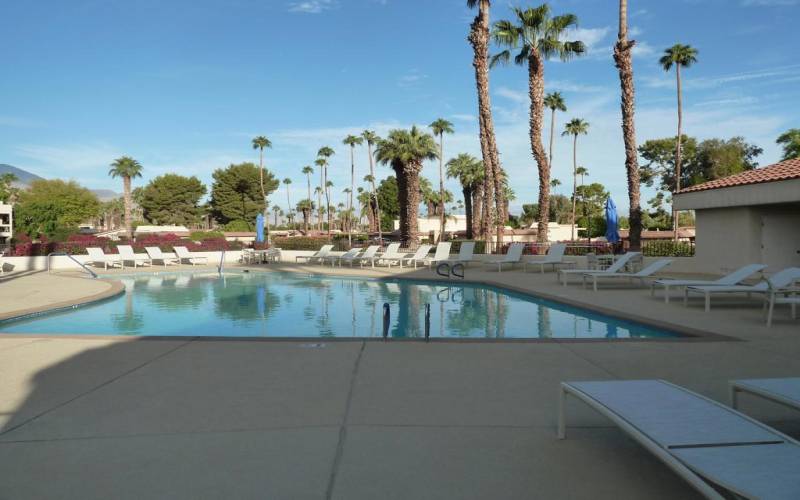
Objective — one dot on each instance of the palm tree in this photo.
(554, 101)
(469, 171)
(583, 172)
(439, 128)
(479, 37)
(623, 60)
(372, 138)
(352, 141)
(324, 154)
(307, 171)
(404, 151)
(305, 207)
(320, 162)
(554, 183)
(538, 36)
(276, 210)
(679, 56)
(575, 127)
(790, 140)
(260, 143)
(286, 182)
(127, 168)
(348, 195)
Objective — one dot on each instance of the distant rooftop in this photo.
(785, 170)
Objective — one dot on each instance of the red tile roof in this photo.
(785, 170)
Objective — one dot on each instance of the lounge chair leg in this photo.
(734, 395)
(666, 293)
(685, 297)
(562, 425)
(770, 310)
(708, 301)
(594, 278)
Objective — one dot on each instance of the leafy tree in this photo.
(388, 199)
(790, 140)
(127, 168)
(173, 199)
(439, 128)
(405, 151)
(236, 193)
(8, 193)
(560, 211)
(538, 36)
(51, 206)
(591, 207)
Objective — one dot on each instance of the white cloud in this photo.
(769, 3)
(464, 117)
(514, 95)
(570, 86)
(781, 74)
(411, 78)
(591, 37)
(312, 6)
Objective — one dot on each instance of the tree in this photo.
(8, 193)
(592, 202)
(324, 154)
(173, 199)
(439, 128)
(49, 207)
(236, 195)
(287, 182)
(554, 183)
(305, 207)
(479, 36)
(127, 168)
(790, 140)
(538, 36)
(554, 101)
(276, 210)
(352, 141)
(389, 199)
(575, 127)
(372, 138)
(307, 171)
(470, 173)
(679, 56)
(260, 143)
(624, 63)
(404, 151)
(320, 162)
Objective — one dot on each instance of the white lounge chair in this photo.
(390, 256)
(419, 256)
(333, 259)
(733, 278)
(98, 257)
(367, 256)
(513, 256)
(785, 391)
(711, 446)
(788, 295)
(554, 257)
(318, 255)
(184, 255)
(781, 279)
(645, 273)
(466, 254)
(127, 255)
(155, 254)
(442, 254)
(617, 266)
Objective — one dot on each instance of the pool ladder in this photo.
(449, 270)
(387, 316)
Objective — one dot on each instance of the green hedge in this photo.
(301, 243)
(206, 235)
(663, 248)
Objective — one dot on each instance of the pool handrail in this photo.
(65, 254)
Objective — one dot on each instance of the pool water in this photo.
(300, 305)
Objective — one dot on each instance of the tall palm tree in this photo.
(372, 139)
(583, 172)
(469, 171)
(307, 171)
(554, 183)
(320, 162)
(554, 101)
(260, 143)
(479, 37)
(575, 127)
(276, 211)
(624, 63)
(404, 151)
(439, 128)
(324, 154)
(679, 56)
(352, 141)
(286, 182)
(127, 168)
(305, 207)
(538, 36)
(348, 195)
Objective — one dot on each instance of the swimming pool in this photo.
(272, 304)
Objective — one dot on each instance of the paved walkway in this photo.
(133, 418)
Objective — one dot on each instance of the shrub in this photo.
(665, 248)
(206, 235)
(301, 242)
(239, 226)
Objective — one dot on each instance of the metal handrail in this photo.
(221, 266)
(65, 254)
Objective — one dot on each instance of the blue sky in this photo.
(183, 85)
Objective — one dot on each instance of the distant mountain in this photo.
(23, 176)
(106, 194)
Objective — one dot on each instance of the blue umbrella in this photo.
(612, 223)
(260, 228)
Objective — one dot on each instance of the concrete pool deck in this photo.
(192, 418)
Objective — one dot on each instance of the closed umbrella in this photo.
(612, 222)
(260, 228)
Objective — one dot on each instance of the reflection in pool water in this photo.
(297, 305)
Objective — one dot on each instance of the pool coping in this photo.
(685, 334)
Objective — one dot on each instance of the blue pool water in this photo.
(298, 305)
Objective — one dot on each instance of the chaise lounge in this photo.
(733, 278)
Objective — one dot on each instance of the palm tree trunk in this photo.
(479, 39)
(441, 185)
(552, 131)
(623, 59)
(126, 188)
(536, 92)
(408, 193)
(467, 191)
(375, 192)
(327, 196)
(574, 180)
(289, 206)
(477, 207)
(350, 196)
(319, 198)
(677, 153)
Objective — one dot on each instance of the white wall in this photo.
(61, 263)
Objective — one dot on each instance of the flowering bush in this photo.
(77, 244)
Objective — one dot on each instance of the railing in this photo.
(65, 254)
(221, 266)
